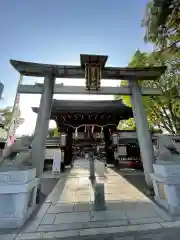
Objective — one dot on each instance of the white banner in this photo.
(56, 168)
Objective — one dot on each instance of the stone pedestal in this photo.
(166, 182)
(17, 197)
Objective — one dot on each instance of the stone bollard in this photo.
(99, 197)
(91, 169)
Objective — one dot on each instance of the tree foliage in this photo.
(127, 124)
(162, 24)
(163, 111)
(7, 113)
(54, 132)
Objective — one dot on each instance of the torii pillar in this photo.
(42, 125)
(142, 130)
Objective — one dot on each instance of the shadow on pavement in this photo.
(136, 178)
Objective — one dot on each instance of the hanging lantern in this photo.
(63, 139)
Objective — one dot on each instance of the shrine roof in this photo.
(85, 107)
(87, 112)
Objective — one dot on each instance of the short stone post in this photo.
(42, 124)
(91, 167)
(99, 197)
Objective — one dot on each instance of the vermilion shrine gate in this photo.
(93, 69)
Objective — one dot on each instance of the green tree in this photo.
(128, 124)
(7, 116)
(163, 112)
(54, 132)
(162, 24)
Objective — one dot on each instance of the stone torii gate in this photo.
(93, 69)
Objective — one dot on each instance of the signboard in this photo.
(56, 168)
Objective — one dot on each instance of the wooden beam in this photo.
(65, 71)
(60, 89)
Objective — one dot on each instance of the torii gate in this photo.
(93, 69)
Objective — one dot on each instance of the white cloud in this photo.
(33, 100)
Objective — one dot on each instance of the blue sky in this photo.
(57, 31)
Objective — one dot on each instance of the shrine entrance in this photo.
(67, 113)
(101, 117)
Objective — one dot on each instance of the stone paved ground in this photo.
(68, 211)
(135, 177)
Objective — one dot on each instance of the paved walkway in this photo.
(69, 212)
